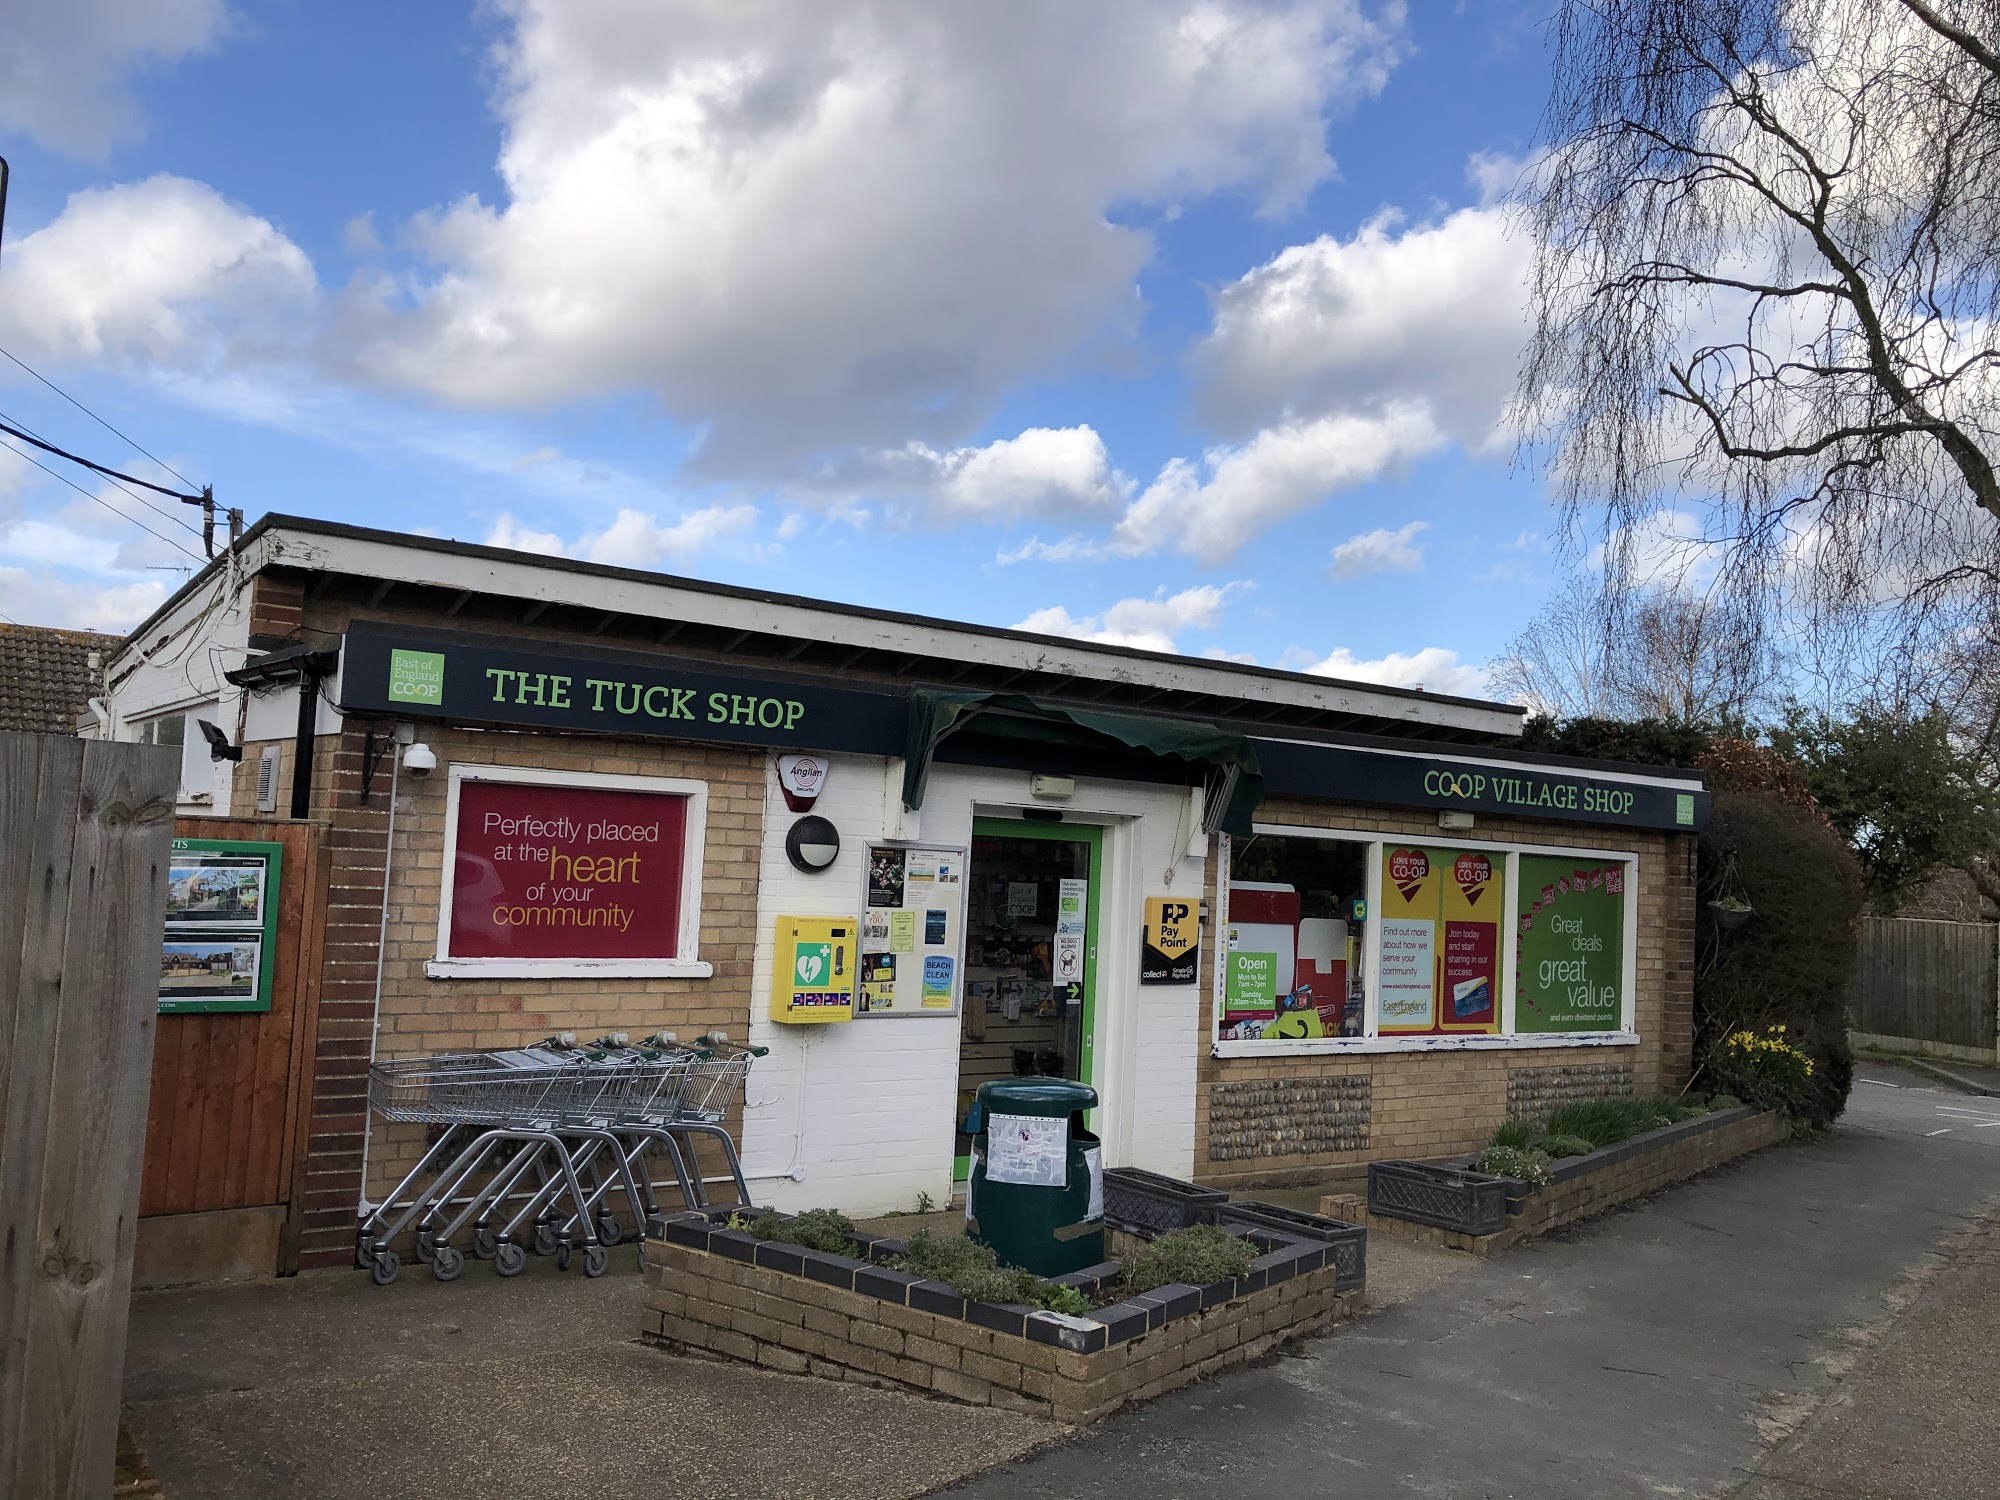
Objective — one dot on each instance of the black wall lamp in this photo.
(812, 845)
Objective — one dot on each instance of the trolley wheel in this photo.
(609, 1230)
(447, 1263)
(509, 1259)
(364, 1250)
(562, 1256)
(382, 1270)
(426, 1241)
(545, 1239)
(485, 1240)
(595, 1259)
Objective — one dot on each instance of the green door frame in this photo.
(1092, 835)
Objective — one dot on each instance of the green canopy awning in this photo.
(1234, 781)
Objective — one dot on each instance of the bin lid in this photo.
(1036, 1096)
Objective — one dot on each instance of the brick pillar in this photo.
(357, 836)
(1678, 941)
(277, 607)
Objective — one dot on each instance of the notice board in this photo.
(222, 925)
(912, 930)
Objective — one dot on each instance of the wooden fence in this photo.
(1935, 983)
(84, 834)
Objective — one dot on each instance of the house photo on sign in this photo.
(221, 926)
(1170, 949)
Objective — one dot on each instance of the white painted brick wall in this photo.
(862, 1111)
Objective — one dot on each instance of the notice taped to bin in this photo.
(1032, 1150)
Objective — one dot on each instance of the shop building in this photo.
(1279, 922)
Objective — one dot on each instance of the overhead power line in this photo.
(100, 500)
(206, 497)
(137, 498)
(96, 418)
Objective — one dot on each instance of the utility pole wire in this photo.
(206, 497)
(136, 497)
(96, 418)
(100, 500)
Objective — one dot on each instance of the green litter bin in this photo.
(1036, 1193)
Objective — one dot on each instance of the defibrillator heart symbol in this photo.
(809, 966)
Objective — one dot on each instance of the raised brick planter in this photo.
(1583, 1186)
(718, 1291)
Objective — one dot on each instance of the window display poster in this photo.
(221, 926)
(1469, 986)
(1570, 951)
(1407, 982)
(543, 871)
(885, 877)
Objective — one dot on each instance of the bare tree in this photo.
(1666, 652)
(1768, 288)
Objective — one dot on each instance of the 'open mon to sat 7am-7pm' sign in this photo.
(543, 871)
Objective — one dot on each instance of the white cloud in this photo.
(1075, 547)
(1432, 316)
(1052, 471)
(852, 222)
(1282, 470)
(1380, 551)
(1153, 624)
(635, 539)
(163, 272)
(63, 63)
(1435, 669)
(39, 597)
(58, 546)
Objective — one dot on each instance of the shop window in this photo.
(1333, 937)
(563, 873)
(1293, 959)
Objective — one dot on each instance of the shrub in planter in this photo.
(815, 1229)
(1559, 1146)
(1197, 1256)
(975, 1273)
(1531, 1167)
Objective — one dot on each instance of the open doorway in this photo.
(1030, 959)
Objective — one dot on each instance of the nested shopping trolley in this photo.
(531, 1147)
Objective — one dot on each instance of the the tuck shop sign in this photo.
(484, 679)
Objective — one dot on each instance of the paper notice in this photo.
(1021, 898)
(902, 932)
(1031, 1150)
(1072, 902)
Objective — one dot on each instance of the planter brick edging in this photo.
(721, 1302)
(1583, 1186)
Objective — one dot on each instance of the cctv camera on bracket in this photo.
(419, 759)
(219, 747)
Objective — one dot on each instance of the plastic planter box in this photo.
(1444, 1197)
(1142, 1202)
(1347, 1243)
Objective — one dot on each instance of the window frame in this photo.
(686, 963)
(1370, 1041)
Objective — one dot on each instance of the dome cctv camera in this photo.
(420, 759)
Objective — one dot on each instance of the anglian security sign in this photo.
(405, 671)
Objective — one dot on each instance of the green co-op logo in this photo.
(416, 677)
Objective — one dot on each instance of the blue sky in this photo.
(1182, 324)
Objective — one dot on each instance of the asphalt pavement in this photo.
(1820, 1319)
(1671, 1349)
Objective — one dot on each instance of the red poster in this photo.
(1471, 963)
(566, 872)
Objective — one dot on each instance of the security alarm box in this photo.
(815, 961)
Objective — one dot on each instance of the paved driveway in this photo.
(1660, 1351)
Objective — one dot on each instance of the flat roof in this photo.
(535, 582)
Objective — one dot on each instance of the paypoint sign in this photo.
(493, 680)
(1170, 951)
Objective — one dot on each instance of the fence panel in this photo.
(1928, 981)
(85, 827)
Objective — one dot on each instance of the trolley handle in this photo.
(718, 1041)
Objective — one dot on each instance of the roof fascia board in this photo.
(526, 580)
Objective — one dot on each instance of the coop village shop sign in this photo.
(398, 672)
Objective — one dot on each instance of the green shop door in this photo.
(1030, 960)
